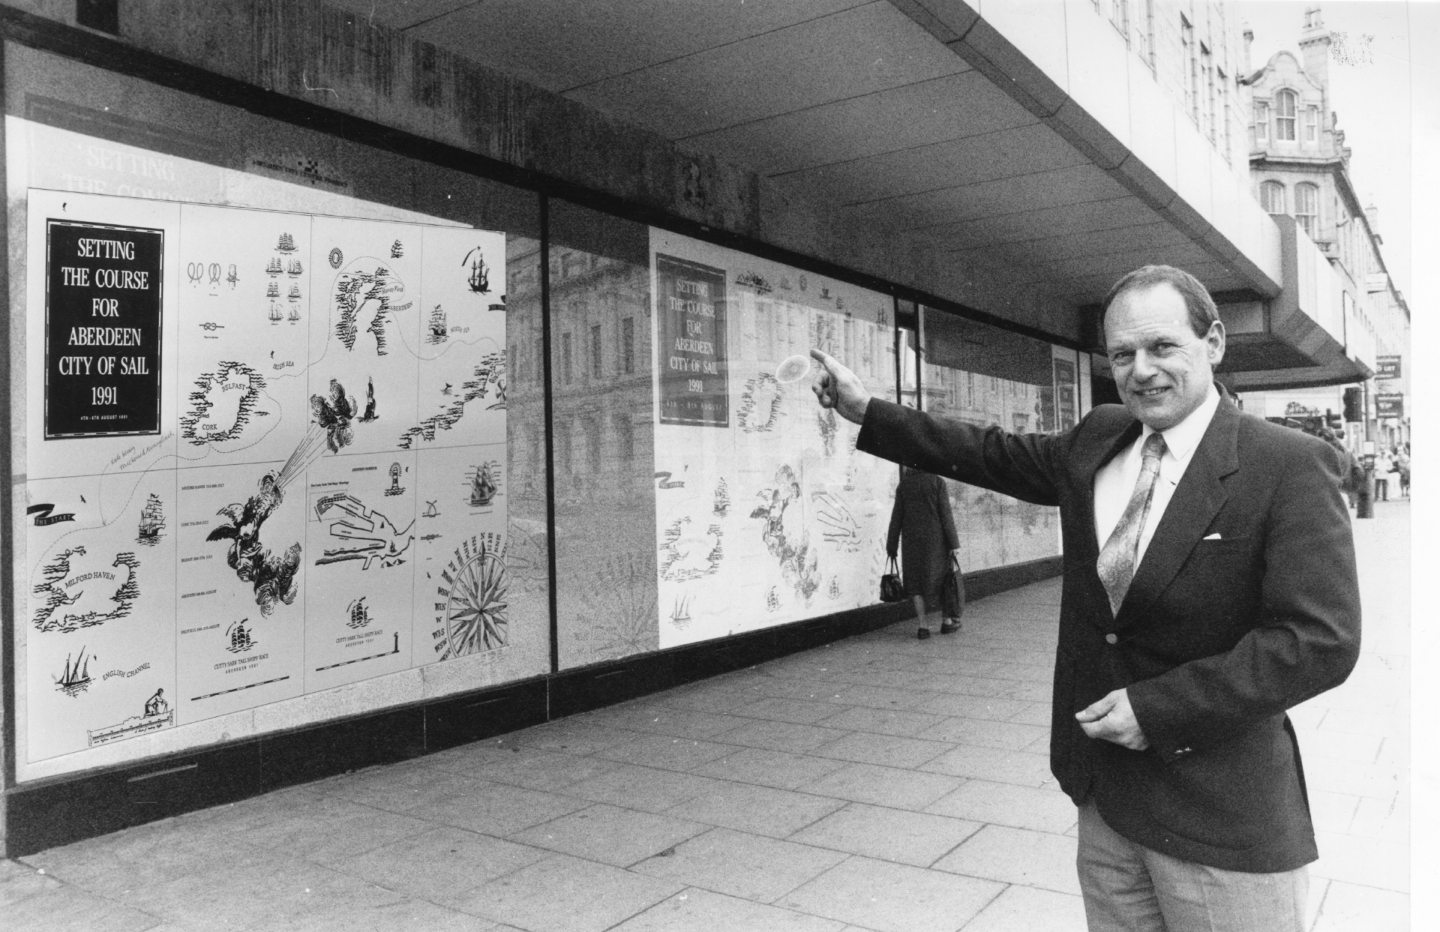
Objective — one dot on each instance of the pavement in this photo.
(878, 783)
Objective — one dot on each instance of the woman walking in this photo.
(921, 519)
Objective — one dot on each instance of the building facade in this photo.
(1300, 166)
(384, 377)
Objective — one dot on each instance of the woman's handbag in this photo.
(952, 593)
(891, 589)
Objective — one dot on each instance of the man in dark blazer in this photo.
(1234, 599)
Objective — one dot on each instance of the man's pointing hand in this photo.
(839, 388)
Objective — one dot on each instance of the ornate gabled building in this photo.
(1300, 170)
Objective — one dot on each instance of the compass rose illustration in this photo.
(472, 601)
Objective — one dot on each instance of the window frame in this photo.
(1271, 189)
(1285, 121)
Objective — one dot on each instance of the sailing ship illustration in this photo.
(274, 268)
(240, 637)
(294, 294)
(479, 277)
(152, 520)
(295, 268)
(272, 290)
(680, 614)
(294, 314)
(276, 315)
(397, 250)
(359, 614)
(76, 677)
(482, 487)
(286, 244)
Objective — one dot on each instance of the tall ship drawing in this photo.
(240, 638)
(295, 268)
(294, 294)
(274, 267)
(294, 313)
(359, 614)
(272, 290)
(276, 315)
(479, 277)
(286, 243)
(152, 520)
(482, 487)
(76, 676)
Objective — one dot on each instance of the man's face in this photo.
(1162, 369)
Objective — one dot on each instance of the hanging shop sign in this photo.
(1392, 405)
(102, 329)
(1387, 367)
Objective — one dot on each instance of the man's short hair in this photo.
(1197, 300)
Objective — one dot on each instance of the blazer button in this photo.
(1112, 638)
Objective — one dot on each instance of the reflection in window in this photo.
(1285, 116)
(605, 555)
(1021, 380)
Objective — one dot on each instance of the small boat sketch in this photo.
(76, 677)
(274, 267)
(286, 244)
(294, 313)
(479, 277)
(482, 487)
(152, 520)
(681, 612)
(295, 268)
(294, 294)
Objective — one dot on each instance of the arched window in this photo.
(1272, 197)
(1285, 115)
(1307, 207)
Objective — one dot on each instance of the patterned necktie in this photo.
(1117, 558)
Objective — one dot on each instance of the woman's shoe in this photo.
(923, 633)
(950, 626)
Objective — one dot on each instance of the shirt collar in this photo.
(1182, 439)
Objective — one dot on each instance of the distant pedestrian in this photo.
(921, 520)
(1383, 467)
(1402, 466)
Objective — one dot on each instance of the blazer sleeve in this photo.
(1023, 466)
(1306, 636)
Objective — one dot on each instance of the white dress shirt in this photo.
(1116, 479)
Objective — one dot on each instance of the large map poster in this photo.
(767, 515)
(323, 498)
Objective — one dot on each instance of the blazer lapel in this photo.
(1198, 498)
